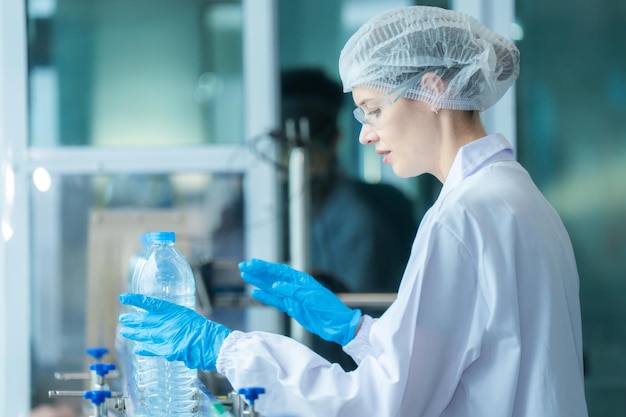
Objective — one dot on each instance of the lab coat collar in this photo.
(475, 155)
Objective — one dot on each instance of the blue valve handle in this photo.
(102, 368)
(97, 352)
(251, 393)
(97, 397)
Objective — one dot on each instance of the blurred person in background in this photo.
(361, 233)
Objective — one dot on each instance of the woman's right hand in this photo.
(299, 295)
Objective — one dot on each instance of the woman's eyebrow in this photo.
(365, 101)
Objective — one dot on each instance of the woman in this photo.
(487, 318)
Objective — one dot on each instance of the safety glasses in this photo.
(370, 113)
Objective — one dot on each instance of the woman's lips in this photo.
(385, 155)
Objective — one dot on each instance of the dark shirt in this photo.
(362, 235)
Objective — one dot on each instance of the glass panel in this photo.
(572, 124)
(84, 231)
(144, 73)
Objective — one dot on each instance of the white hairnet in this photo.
(397, 47)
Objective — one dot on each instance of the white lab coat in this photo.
(486, 323)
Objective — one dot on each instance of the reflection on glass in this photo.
(85, 230)
(145, 73)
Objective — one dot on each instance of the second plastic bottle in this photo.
(165, 388)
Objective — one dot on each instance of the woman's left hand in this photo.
(173, 331)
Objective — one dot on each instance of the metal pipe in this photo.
(299, 208)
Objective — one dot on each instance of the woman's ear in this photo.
(433, 84)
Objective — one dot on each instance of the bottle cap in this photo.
(163, 236)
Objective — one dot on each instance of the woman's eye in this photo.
(374, 113)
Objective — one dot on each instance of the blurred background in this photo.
(119, 117)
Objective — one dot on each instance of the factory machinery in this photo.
(102, 401)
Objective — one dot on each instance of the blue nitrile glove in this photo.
(299, 295)
(172, 331)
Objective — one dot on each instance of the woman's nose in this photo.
(367, 135)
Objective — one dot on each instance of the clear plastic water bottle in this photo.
(135, 263)
(137, 259)
(123, 346)
(165, 388)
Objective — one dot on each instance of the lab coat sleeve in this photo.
(414, 357)
(360, 346)
(298, 382)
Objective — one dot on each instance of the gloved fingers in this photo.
(147, 303)
(269, 271)
(130, 333)
(257, 266)
(143, 351)
(160, 350)
(133, 319)
(144, 320)
(261, 281)
(132, 299)
(141, 335)
(269, 299)
(265, 275)
(287, 289)
(156, 349)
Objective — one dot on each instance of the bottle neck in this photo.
(163, 242)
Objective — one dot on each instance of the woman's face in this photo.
(404, 132)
